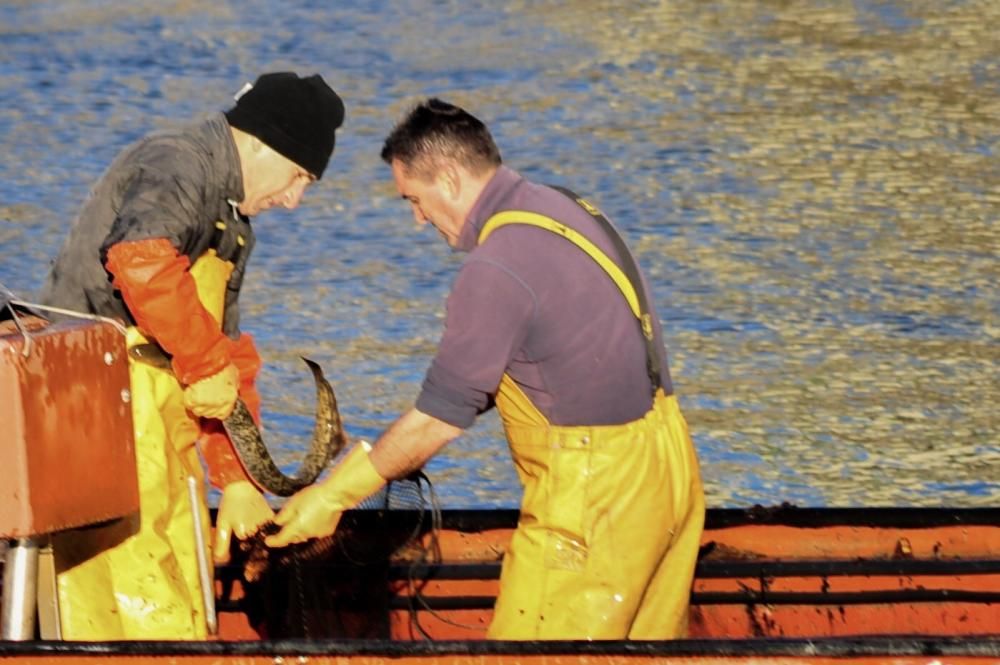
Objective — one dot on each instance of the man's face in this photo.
(271, 179)
(433, 201)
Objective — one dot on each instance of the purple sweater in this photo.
(530, 303)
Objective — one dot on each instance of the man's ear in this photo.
(451, 178)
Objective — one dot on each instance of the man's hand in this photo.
(315, 511)
(215, 395)
(311, 513)
(242, 511)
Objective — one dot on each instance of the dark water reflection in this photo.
(812, 186)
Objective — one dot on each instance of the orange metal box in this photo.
(67, 453)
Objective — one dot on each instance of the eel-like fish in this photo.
(327, 441)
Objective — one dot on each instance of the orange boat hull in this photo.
(781, 585)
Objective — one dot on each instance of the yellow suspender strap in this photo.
(534, 219)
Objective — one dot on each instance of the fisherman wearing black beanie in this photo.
(162, 244)
(295, 116)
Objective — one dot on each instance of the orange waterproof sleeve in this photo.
(223, 465)
(221, 462)
(154, 281)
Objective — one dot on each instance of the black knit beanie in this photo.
(296, 117)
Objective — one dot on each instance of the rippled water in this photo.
(812, 186)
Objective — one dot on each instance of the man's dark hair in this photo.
(435, 130)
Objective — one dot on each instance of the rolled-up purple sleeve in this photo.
(488, 313)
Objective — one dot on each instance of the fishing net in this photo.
(340, 586)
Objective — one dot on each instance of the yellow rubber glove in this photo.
(215, 395)
(315, 511)
(242, 511)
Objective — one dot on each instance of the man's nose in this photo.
(293, 197)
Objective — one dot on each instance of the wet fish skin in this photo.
(327, 441)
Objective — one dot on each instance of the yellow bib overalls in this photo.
(611, 516)
(138, 579)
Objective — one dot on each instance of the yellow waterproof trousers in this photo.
(138, 579)
(610, 526)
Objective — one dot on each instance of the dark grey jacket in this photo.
(171, 184)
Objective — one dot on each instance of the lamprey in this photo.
(327, 441)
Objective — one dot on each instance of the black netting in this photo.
(340, 586)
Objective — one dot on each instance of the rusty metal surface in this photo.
(67, 454)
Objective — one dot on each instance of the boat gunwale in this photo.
(838, 647)
(914, 517)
